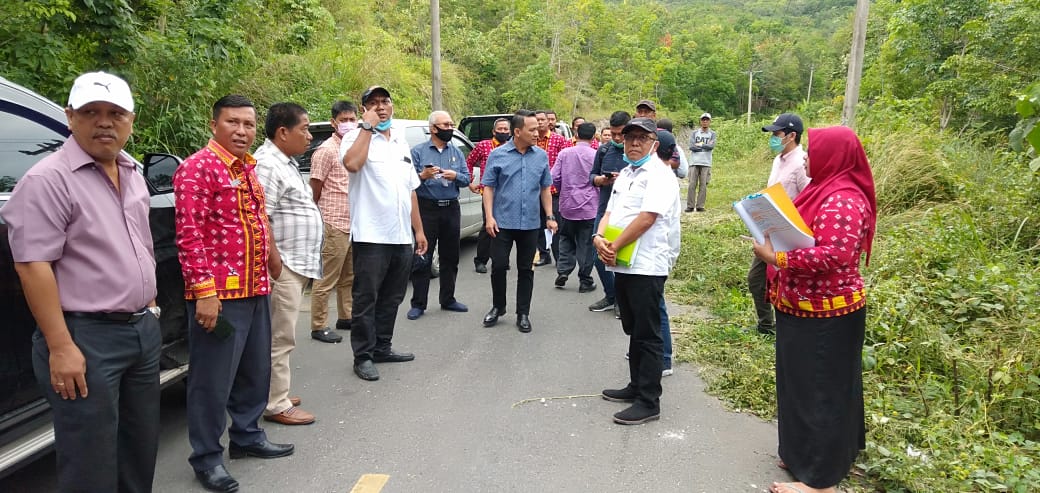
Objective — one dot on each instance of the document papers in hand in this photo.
(626, 255)
(772, 212)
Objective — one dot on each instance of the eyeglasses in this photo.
(639, 139)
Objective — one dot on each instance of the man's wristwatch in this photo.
(367, 126)
(155, 311)
(550, 218)
(597, 235)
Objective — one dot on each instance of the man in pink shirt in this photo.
(96, 351)
(579, 200)
(788, 170)
(329, 181)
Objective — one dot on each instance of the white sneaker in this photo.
(667, 372)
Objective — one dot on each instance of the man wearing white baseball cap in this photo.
(89, 192)
(702, 141)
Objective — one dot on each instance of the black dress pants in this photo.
(228, 377)
(640, 298)
(380, 281)
(483, 241)
(107, 441)
(502, 245)
(543, 245)
(441, 226)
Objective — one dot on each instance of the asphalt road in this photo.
(484, 410)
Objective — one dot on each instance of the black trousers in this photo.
(109, 440)
(228, 377)
(639, 298)
(543, 246)
(756, 280)
(380, 281)
(502, 245)
(441, 226)
(483, 241)
(576, 249)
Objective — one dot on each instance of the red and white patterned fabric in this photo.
(221, 225)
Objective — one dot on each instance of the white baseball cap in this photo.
(706, 115)
(101, 86)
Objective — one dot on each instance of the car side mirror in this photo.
(159, 169)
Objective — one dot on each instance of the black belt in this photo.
(439, 203)
(122, 317)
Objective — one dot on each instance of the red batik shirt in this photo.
(552, 144)
(824, 280)
(221, 225)
(478, 156)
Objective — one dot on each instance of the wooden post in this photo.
(808, 95)
(435, 42)
(750, 80)
(852, 80)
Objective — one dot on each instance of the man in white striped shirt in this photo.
(297, 228)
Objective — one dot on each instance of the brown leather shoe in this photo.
(295, 401)
(292, 416)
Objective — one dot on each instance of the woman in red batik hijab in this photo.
(821, 316)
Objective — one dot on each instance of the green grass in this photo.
(952, 349)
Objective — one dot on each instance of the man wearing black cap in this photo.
(702, 142)
(384, 212)
(644, 210)
(789, 170)
(646, 109)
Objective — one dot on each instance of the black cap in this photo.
(667, 144)
(786, 121)
(372, 90)
(643, 123)
(648, 104)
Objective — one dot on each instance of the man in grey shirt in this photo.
(702, 141)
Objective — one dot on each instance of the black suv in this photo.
(32, 127)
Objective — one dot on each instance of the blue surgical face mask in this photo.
(384, 126)
(776, 143)
(641, 160)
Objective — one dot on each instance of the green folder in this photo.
(626, 256)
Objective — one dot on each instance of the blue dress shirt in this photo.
(448, 158)
(517, 180)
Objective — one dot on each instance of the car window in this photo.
(23, 143)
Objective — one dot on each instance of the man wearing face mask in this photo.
(645, 207)
(606, 165)
(329, 185)
(788, 170)
(385, 212)
(442, 171)
(477, 159)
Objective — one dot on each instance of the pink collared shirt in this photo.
(66, 211)
(789, 170)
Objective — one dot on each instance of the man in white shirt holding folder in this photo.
(645, 205)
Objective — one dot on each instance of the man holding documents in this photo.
(638, 239)
(789, 171)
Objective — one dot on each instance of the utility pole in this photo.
(750, 81)
(435, 42)
(808, 95)
(852, 80)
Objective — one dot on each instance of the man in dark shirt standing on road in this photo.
(608, 162)
(442, 170)
(104, 342)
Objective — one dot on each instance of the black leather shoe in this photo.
(480, 267)
(365, 370)
(586, 287)
(217, 479)
(561, 280)
(543, 261)
(392, 357)
(343, 324)
(326, 335)
(523, 323)
(492, 316)
(263, 450)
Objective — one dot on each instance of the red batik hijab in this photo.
(837, 163)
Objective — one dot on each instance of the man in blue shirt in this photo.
(442, 170)
(609, 161)
(516, 194)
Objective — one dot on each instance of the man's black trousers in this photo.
(526, 243)
(441, 226)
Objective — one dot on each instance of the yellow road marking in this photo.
(370, 483)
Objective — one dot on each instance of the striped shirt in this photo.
(295, 219)
(335, 197)
(221, 225)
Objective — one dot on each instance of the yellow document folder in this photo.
(626, 256)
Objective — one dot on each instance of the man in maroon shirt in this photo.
(103, 384)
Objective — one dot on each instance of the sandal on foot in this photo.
(785, 488)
